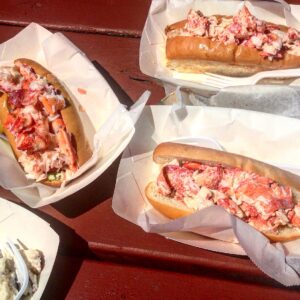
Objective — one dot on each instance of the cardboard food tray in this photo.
(18, 223)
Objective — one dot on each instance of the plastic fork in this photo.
(21, 268)
(220, 81)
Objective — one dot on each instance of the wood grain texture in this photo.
(114, 17)
(105, 280)
(107, 16)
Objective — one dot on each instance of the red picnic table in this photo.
(102, 256)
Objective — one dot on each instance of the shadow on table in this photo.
(96, 192)
(118, 90)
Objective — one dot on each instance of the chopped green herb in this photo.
(54, 176)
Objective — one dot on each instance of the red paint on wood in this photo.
(111, 15)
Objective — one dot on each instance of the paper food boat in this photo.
(107, 124)
(239, 131)
(18, 223)
(164, 12)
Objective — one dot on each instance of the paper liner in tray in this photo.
(107, 124)
(266, 137)
(163, 12)
(18, 223)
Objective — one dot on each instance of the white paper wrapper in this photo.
(18, 223)
(107, 124)
(234, 130)
(166, 12)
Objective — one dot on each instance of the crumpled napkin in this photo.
(275, 99)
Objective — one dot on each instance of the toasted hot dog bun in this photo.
(69, 114)
(3, 116)
(166, 205)
(196, 54)
(166, 152)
